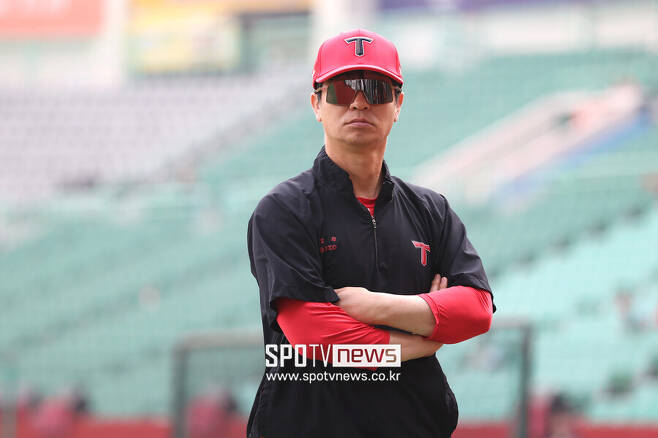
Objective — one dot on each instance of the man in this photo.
(342, 254)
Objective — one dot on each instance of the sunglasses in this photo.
(343, 91)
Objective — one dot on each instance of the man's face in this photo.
(359, 123)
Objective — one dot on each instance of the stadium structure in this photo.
(136, 138)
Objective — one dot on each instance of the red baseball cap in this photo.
(357, 49)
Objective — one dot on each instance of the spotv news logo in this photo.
(342, 355)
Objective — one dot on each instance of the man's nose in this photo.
(360, 102)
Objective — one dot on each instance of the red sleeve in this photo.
(323, 324)
(460, 312)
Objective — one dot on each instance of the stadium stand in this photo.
(91, 137)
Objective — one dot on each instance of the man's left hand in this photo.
(360, 303)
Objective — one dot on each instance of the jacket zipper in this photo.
(374, 231)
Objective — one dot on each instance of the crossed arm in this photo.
(445, 315)
(352, 320)
(325, 324)
(405, 312)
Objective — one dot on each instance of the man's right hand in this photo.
(438, 283)
(413, 346)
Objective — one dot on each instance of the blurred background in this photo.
(137, 136)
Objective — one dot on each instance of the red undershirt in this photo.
(460, 312)
(369, 204)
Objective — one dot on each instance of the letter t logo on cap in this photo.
(358, 46)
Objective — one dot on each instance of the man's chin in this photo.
(363, 141)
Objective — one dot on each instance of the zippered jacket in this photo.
(309, 236)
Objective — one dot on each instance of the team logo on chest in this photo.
(424, 249)
(328, 244)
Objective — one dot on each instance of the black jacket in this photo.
(309, 236)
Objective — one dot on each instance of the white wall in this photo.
(329, 18)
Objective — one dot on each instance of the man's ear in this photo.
(398, 106)
(315, 104)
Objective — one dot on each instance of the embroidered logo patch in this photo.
(358, 44)
(424, 249)
(328, 244)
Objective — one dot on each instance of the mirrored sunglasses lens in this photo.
(343, 92)
(377, 92)
(340, 93)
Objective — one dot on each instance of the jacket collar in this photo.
(329, 172)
